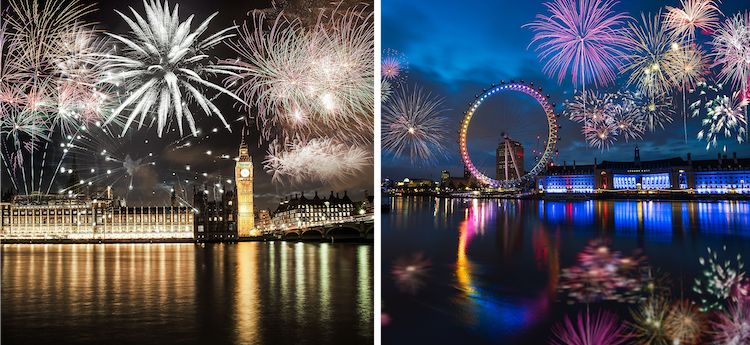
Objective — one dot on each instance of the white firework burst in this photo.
(162, 67)
(411, 124)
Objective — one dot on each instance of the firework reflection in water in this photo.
(604, 328)
(409, 273)
(601, 274)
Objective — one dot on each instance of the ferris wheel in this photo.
(517, 118)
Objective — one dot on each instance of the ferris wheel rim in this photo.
(549, 147)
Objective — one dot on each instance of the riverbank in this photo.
(98, 241)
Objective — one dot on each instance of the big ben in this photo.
(243, 176)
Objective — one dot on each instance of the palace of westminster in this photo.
(233, 216)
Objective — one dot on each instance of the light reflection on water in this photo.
(496, 262)
(246, 293)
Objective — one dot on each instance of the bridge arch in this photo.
(370, 232)
(343, 232)
(311, 234)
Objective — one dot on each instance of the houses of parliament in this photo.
(229, 217)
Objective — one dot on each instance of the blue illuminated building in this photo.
(715, 176)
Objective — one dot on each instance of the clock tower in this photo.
(243, 176)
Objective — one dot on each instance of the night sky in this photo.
(457, 50)
(184, 162)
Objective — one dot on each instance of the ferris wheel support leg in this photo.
(512, 157)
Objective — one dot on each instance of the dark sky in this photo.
(170, 155)
(457, 50)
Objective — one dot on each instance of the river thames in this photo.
(492, 267)
(180, 293)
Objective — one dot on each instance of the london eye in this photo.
(501, 127)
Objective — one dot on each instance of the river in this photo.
(180, 293)
(490, 269)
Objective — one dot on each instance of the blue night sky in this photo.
(454, 50)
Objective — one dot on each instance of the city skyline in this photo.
(154, 164)
(456, 53)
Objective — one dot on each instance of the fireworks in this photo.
(49, 79)
(684, 323)
(411, 123)
(654, 111)
(626, 116)
(308, 82)
(731, 49)
(724, 115)
(733, 326)
(36, 32)
(323, 159)
(605, 328)
(393, 66)
(589, 105)
(602, 274)
(605, 116)
(650, 321)
(648, 60)
(718, 280)
(701, 14)
(409, 273)
(600, 133)
(581, 38)
(162, 59)
(689, 64)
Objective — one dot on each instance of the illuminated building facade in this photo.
(215, 220)
(243, 175)
(53, 217)
(715, 176)
(302, 212)
(509, 155)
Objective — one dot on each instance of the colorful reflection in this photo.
(482, 307)
(651, 220)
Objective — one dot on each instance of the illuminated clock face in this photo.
(244, 173)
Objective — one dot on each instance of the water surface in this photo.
(496, 263)
(181, 293)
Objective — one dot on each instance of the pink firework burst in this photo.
(390, 68)
(393, 67)
(731, 50)
(600, 133)
(409, 273)
(733, 326)
(701, 14)
(602, 274)
(604, 328)
(581, 36)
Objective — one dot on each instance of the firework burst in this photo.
(159, 61)
(411, 124)
(602, 274)
(630, 124)
(733, 327)
(724, 115)
(648, 60)
(308, 82)
(718, 280)
(731, 50)
(654, 111)
(323, 159)
(409, 273)
(393, 66)
(37, 32)
(600, 133)
(604, 328)
(689, 64)
(589, 105)
(580, 36)
(700, 14)
(684, 323)
(650, 321)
